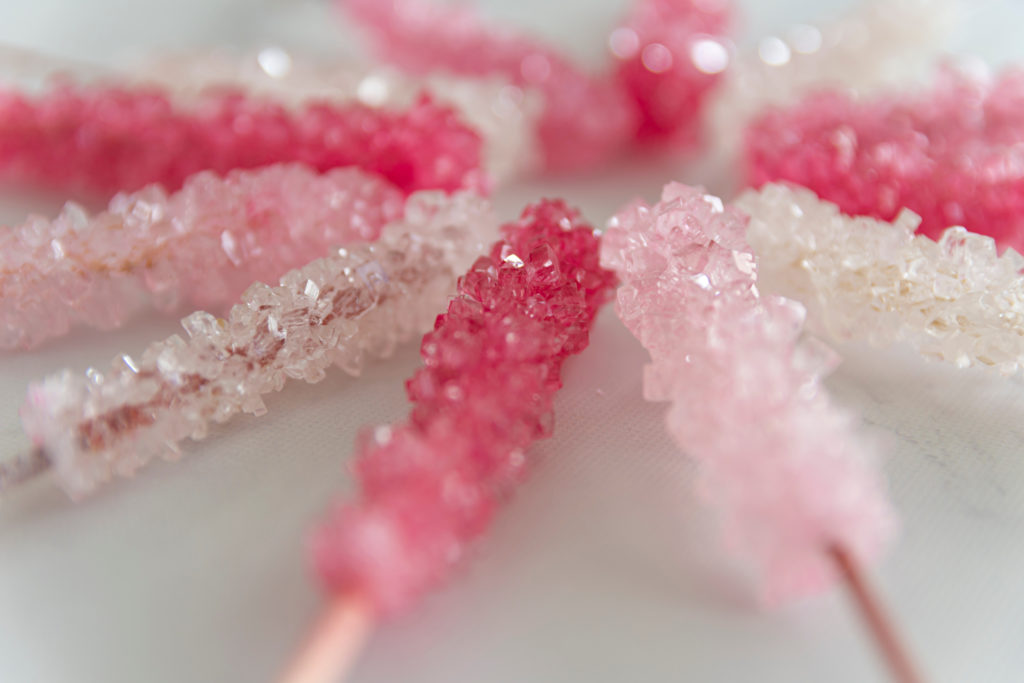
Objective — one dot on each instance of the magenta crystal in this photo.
(429, 485)
(587, 117)
(951, 154)
(107, 139)
(670, 57)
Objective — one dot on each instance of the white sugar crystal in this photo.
(954, 300)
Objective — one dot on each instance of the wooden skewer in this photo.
(878, 623)
(22, 468)
(335, 642)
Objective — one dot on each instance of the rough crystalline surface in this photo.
(202, 245)
(654, 88)
(954, 300)
(105, 139)
(429, 485)
(780, 463)
(503, 115)
(358, 302)
(878, 43)
(951, 154)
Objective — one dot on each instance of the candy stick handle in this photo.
(22, 468)
(334, 643)
(878, 623)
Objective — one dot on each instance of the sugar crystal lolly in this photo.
(950, 154)
(797, 491)
(202, 245)
(585, 118)
(783, 466)
(671, 54)
(359, 302)
(491, 367)
(875, 45)
(954, 300)
(653, 87)
(504, 116)
(102, 139)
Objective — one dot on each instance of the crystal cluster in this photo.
(952, 155)
(655, 87)
(491, 369)
(504, 117)
(202, 245)
(106, 139)
(359, 302)
(781, 464)
(878, 43)
(670, 55)
(954, 300)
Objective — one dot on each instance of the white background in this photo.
(603, 568)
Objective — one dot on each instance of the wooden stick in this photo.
(875, 618)
(334, 644)
(22, 468)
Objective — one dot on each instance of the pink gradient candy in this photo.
(654, 91)
(780, 463)
(429, 485)
(108, 139)
(952, 154)
(203, 245)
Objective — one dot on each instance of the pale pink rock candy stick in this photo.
(359, 302)
(202, 245)
(782, 465)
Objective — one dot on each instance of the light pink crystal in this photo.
(202, 245)
(359, 302)
(780, 463)
(952, 154)
(491, 368)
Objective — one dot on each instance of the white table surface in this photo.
(603, 568)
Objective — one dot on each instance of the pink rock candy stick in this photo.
(780, 463)
(202, 245)
(359, 302)
(429, 485)
(952, 155)
(670, 55)
(105, 139)
(656, 88)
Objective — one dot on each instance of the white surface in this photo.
(602, 569)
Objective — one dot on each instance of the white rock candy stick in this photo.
(954, 300)
(359, 302)
(202, 245)
(798, 493)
